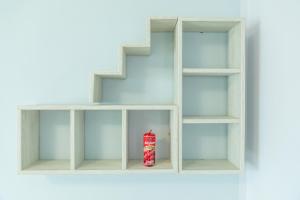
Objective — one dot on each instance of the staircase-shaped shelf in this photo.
(188, 87)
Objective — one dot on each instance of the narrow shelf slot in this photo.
(210, 71)
(210, 120)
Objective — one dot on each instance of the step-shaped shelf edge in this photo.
(154, 24)
(209, 120)
(48, 167)
(210, 71)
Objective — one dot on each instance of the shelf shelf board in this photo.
(208, 24)
(160, 165)
(49, 165)
(209, 166)
(210, 120)
(163, 24)
(210, 71)
(100, 165)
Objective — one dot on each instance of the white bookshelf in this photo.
(212, 107)
(198, 116)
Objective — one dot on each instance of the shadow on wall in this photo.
(252, 94)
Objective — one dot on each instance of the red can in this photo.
(149, 149)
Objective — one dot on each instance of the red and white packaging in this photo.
(149, 149)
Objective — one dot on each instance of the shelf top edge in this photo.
(69, 107)
(196, 18)
(212, 19)
(163, 18)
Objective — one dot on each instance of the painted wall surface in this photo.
(273, 98)
(48, 49)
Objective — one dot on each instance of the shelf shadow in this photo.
(252, 94)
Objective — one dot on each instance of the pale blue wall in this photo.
(47, 52)
(273, 96)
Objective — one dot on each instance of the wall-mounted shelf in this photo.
(186, 82)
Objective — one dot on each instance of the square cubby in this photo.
(211, 147)
(98, 139)
(211, 96)
(163, 124)
(211, 44)
(45, 140)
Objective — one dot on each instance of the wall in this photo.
(48, 49)
(273, 98)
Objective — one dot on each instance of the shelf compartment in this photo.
(209, 120)
(213, 148)
(98, 139)
(213, 96)
(164, 124)
(98, 106)
(211, 44)
(45, 140)
(210, 71)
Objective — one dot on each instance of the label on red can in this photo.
(149, 149)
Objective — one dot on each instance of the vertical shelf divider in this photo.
(72, 139)
(174, 138)
(124, 139)
(178, 44)
(77, 138)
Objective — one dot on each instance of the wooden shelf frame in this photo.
(234, 71)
